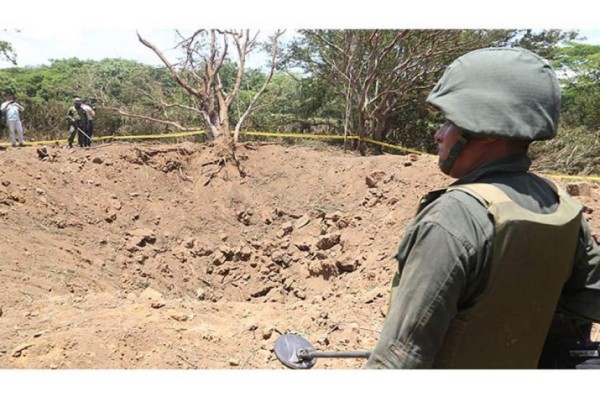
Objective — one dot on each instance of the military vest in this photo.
(532, 258)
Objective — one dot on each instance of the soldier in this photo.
(77, 118)
(502, 261)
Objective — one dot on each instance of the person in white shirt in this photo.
(11, 110)
(89, 128)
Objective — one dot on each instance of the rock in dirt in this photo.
(323, 269)
(178, 316)
(243, 254)
(142, 236)
(245, 217)
(372, 295)
(189, 242)
(116, 204)
(579, 189)
(154, 297)
(201, 294)
(267, 334)
(374, 178)
(328, 241)
(348, 264)
(20, 349)
(301, 222)
(42, 152)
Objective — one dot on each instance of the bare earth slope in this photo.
(144, 256)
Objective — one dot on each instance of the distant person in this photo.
(91, 115)
(11, 110)
(77, 118)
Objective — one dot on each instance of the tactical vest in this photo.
(532, 258)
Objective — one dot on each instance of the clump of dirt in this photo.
(171, 256)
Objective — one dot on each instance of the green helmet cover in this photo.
(508, 93)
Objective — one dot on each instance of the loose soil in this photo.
(174, 257)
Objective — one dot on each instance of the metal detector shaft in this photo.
(308, 354)
(296, 352)
(72, 120)
(83, 132)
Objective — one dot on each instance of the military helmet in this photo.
(77, 100)
(508, 93)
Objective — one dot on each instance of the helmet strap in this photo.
(453, 153)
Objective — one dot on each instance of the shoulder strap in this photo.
(485, 192)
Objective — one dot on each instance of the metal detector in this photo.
(297, 353)
(83, 132)
(72, 120)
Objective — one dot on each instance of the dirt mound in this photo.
(169, 256)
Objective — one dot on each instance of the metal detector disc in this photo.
(287, 349)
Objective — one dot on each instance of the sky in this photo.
(58, 29)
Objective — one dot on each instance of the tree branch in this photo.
(138, 116)
(171, 68)
(274, 46)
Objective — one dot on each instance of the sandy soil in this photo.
(158, 256)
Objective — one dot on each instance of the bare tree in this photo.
(200, 74)
(379, 71)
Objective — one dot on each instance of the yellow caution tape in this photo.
(401, 148)
(310, 136)
(584, 177)
(297, 135)
(287, 135)
(117, 137)
(153, 136)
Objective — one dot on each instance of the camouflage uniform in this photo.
(446, 253)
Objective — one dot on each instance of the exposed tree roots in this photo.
(225, 151)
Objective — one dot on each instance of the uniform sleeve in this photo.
(581, 295)
(440, 269)
(425, 301)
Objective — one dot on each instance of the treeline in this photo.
(371, 83)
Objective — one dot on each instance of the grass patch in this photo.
(574, 151)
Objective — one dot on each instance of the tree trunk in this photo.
(380, 130)
(361, 126)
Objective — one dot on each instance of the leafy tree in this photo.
(544, 43)
(578, 66)
(379, 73)
(47, 91)
(384, 76)
(7, 52)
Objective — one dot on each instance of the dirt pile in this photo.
(169, 256)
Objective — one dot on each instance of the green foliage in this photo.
(578, 67)
(387, 101)
(544, 43)
(327, 75)
(9, 85)
(7, 52)
(379, 79)
(48, 91)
